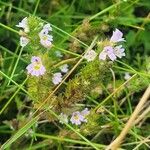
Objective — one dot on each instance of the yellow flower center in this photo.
(44, 37)
(76, 117)
(37, 67)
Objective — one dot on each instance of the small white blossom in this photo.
(107, 51)
(47, 27)
(23, 41)
(77, 118)
(46, 40)
(90, 55)
(119, 51)
(117, 36)
(63, 118)
(57, 78)
(127, 76)
(24, 24)
(64, 68)
(36, 68)
(85, 113)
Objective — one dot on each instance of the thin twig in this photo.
(116, 143)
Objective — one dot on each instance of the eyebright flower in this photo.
(90, 55)
(113, 51)
(85, 113)
(45, 30)
(64, 68)
(57, 78)
(117, 36)
(76, 118)
(47, 27)
(119, 51)
(45, 38)
(127, 76)
(23, 41)
(36, 68)
(64, 118)
(107, 51)
(24, 24)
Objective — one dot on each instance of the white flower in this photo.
(64, 68)
(46, 40)
(107, 51)
(63, 118)
(45, 30)
(24, 24)
(47, 27)
(127, 76)
(85, 113)
(77, 118)
(117, 36)
(23, 41)
(36, 68)
(119, 51)
(90, 55)
(57, 78)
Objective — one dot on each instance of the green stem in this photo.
(36, 7)
(67, 140)
(12, 74)
(9, 101)
(9, 28)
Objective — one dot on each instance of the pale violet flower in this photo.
(57, 78)
(23, 41)
(107, 51)
(24, 24)
(85, 113)
(36, 68)
(46, 40)
(77, 118)
(64, 68)
(63, 118)
(117, 36)
(90, 55)
(47, 27)
(119, 51)
(127, 76)
(45, 30)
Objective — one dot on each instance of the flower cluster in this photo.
(45, 38)
(57, 77)
(24, 25)
(77, 117)
(112, 50)
(36, 68)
